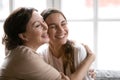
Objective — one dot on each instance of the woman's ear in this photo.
(23, 37)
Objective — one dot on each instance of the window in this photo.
(108, 34)
(40, 5)
(108, 45)
(2, 54)
(4, 9)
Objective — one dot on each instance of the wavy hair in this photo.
(15, 24)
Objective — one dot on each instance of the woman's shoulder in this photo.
(77, 45)
(24, 52)
(79, 49)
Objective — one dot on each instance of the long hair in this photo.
(68, 57)
(16, 23)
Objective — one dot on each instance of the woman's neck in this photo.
(56, 50)
(34, 47)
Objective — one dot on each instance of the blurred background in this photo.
(92, 22)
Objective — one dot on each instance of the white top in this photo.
(79, 56)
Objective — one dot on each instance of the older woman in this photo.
(25, 30)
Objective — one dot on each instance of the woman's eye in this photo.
(37, 25)
(64, 24)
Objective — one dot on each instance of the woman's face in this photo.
(36, 31)
(57, 28)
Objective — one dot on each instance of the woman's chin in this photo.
(45, 41)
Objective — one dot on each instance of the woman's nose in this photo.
(60, 28)
(45, 26)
